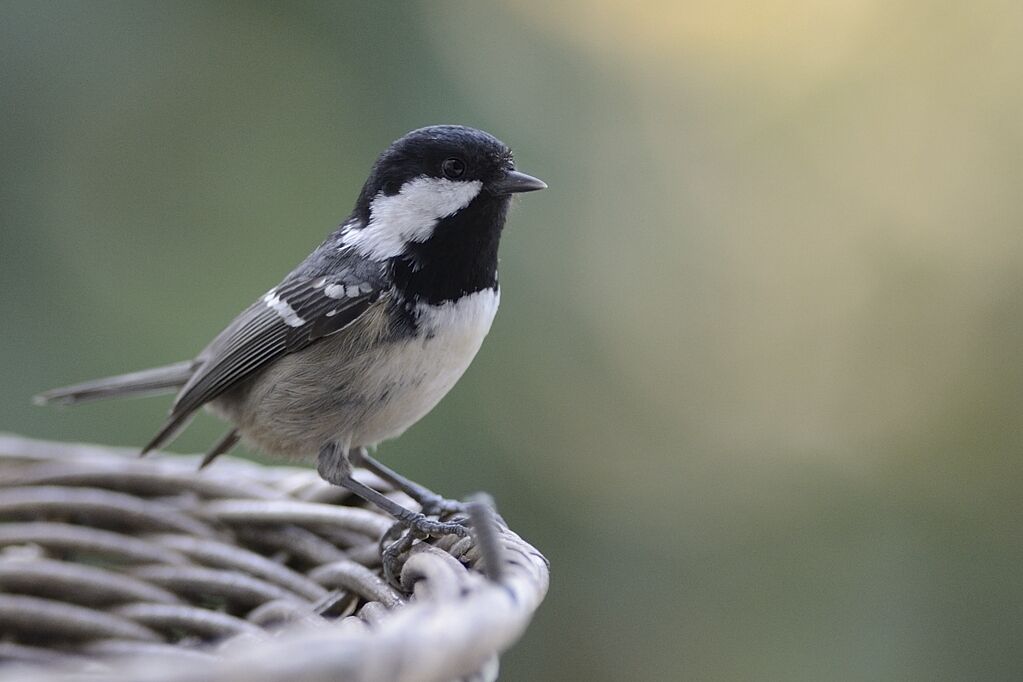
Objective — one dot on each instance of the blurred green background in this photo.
(755, 387)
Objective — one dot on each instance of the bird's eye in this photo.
(453, 168)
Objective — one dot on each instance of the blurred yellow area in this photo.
(755, 387)
(801, 36)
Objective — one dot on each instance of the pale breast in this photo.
(412, 378)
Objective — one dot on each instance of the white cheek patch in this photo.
(410, 215)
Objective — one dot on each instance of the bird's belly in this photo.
(408, 385)
(362, 400)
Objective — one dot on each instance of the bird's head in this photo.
(435, 180)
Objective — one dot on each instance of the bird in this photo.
(368, 333)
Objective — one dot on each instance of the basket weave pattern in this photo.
(117, 568)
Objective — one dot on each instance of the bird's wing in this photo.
(288, 318)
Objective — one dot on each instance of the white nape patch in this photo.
(410, 215)
(282, 308)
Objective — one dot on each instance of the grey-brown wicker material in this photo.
(119, 568)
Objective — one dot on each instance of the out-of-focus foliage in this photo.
(756, 385)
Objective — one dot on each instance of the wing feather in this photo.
(298, 312)
(264, 336)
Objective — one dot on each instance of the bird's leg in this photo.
(334, 467)
(431, 503)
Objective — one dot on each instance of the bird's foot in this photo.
(407, 531)
(422, 526)
(435, 505)
(391, 552)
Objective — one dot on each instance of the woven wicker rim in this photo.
(147, 569)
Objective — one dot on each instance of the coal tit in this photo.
(369, 332)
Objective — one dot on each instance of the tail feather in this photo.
(229, 440)
(147, 382)
(174, 425)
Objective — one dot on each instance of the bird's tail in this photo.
(147, 382)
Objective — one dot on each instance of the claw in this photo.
(391, 557)
(416, 527)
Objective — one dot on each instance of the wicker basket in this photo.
(119, 568)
